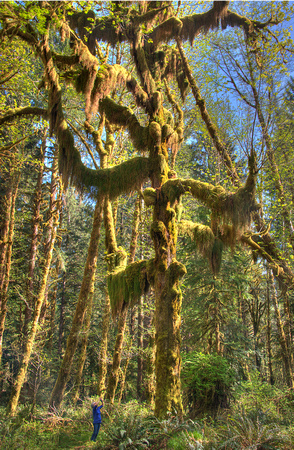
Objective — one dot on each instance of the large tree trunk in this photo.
(111, 247)
(86, 289)
(20, 378)
(7, 241)
(168, 301)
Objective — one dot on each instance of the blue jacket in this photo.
(97, 414)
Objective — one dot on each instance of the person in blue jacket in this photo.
(97, 419)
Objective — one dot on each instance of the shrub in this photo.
(207, 383)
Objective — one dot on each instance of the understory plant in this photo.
(207, 382)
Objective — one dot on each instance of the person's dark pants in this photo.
(96, 431)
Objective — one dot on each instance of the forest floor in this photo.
(264, 425)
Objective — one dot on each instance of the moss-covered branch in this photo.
(127, 284)
(235, 208)
(12, 114)
(188, 27)
(118, 28)
(124, 117)
(97, 82)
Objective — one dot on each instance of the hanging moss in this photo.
(231, 208)
(173, 189)
(149, 195)
(126, 285)
(113, 181)
(82, 22)
(202, 235)
(206, 242)
(120, 115)
(164, 31)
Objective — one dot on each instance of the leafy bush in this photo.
(207, 383)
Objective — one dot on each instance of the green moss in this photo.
(116, 260)
(154, 138)
(124, 117)
(149, 195)
(173, 189)
(159, 232)
(126, 285)
(158, 169)
(206, 242)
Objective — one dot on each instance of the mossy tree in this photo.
(148, 29)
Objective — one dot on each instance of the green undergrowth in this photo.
(260, 418)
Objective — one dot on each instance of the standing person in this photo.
(96, 418)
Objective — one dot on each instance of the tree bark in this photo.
(140, 349)
(86, 289)
(7, 236)
(29, 291)
(114, 373)
(20, 378)
(282, 337)
(83, 350)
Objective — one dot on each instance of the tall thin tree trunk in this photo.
(29, 291)
(87, 288)
(83, 350)
(140, 348)
(103, 346)
(282, 337)
(54, 293)
(7, 260)
(124, 372)
(61, 317)
(149, 366)
(269, 335)
(114, 374)
(20, 378)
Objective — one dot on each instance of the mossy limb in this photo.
(126, 285)
(149, 195)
